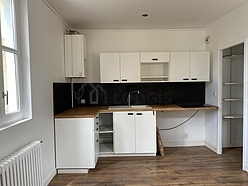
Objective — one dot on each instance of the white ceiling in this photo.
(163, 14)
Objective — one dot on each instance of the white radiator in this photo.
(23, 167)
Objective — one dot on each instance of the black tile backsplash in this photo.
(116, 94)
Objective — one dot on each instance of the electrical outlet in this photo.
(83, 101)
(214, 93)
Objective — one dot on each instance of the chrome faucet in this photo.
(129, 97)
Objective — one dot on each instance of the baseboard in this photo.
(69, 171)
(184, 144)
(211, 147)
(49, 178)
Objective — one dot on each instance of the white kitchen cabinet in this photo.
(119, 67)
(189, 66)
(75, 56)
(134, 132)
(154, 66)
(77, 143)
(130, 67)
(145, 132)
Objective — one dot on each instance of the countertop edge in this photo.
(92, 111)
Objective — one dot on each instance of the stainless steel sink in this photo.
(131, 107)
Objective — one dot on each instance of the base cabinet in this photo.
(77, 143)
(134, 132)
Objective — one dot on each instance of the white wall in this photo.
(138, 40)
(132, 40)
(191, 133)
(46, 45)
(228, 31)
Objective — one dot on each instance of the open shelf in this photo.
(233, 116)
(154, 71)
(233, 83)
(106, 148)
(232, 99)
(106, 133)
(233, 57)
(106, 129)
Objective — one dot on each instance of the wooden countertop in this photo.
(92, 111)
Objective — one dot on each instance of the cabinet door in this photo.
(179, 70)
(154, 57)
(109, 68)
(124, 132)
(145, 132)
(199, 66)
(75, 145)
(130, 67)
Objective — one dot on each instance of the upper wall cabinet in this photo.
(75, 56)
(189, 66)
(119, 67)
(154, 66)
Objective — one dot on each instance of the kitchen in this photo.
(47, 57)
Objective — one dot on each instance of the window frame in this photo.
(22, 52)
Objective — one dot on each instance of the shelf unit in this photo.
(232, 96)
(154, 71)
(154, 66)
(105, 134)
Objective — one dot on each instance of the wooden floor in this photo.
(180, 166)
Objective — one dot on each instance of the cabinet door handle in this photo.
(139, 114)
(96, 123)
(115, 80)
(124, 80)
(154, 59)
(96, 117)
(97, 129)
(185, 78)
(193, 78)
(129, 114)
(97, 140)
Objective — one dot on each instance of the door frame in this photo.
(245, 102)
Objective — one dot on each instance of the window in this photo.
(12, 102)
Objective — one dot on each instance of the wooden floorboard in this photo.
(180, 166)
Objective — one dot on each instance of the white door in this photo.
(199, 66)
(130, 67)
(179, 66)
(124, 132)
(109, 68)
(145, 132)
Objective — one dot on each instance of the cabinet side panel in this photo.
(75, 143)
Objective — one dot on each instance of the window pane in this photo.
(11, 89)
(7, 23)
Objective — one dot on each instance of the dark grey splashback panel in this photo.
(116, 94)
(150, 93)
